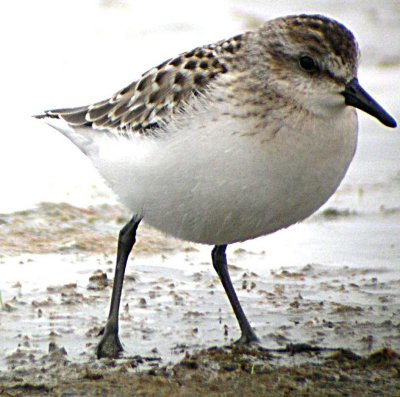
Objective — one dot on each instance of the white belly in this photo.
(216, 186)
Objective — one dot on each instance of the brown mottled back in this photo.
(159, 92)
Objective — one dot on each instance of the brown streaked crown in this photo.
(333, 35)
(325, 36)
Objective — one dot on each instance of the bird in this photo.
(227, 142)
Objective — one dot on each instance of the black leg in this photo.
(220, 265)
(110, 346)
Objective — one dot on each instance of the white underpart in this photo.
(204, 180)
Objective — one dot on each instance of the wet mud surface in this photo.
(331, 329)
(213, 372)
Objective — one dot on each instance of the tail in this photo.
(118, 157)
(82, 136)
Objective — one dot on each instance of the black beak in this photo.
(356, 96)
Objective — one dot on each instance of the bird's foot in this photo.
(109, 345)
(248, 338)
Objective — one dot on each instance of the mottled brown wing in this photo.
(157, 94)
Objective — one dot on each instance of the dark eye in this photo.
(308, 64)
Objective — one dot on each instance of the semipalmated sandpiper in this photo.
(227, 142)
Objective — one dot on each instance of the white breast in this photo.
(206, 179)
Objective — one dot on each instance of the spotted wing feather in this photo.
(159, 92)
